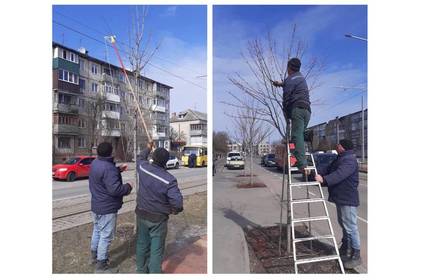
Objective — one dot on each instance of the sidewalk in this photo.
(233, 210)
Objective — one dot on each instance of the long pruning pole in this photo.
(114, 44)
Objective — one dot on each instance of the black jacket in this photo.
(106, 186)
(341, 177)
(295, 93)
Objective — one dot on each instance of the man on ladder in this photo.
(296, 106)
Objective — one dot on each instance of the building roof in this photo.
(189, 115)
(86, 56)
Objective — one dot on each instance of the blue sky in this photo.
(322, 27)
(181, 30)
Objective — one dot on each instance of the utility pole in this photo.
(337, 130)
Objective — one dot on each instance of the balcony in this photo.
(162, 94)
(65, 129)
(157, 108)
(112, 97)
(199, 132)
(66, 108)
(111, 115)
(111, 132)
(158, 135)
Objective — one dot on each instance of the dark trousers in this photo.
(299, 118)
(150, 245)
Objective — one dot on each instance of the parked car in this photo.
(73, 168)
(323, 160)
(269, 160)
(173, 162)
(235, 160)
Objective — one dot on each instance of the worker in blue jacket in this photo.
(296, 107)
(158, 197)
(341, 178)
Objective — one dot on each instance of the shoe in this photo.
(345, 252)
(353, 261)
(102, 266)
(92, 260)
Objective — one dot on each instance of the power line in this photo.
(122, 43)
(123, 51)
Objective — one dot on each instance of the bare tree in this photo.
(267, 62)
(250, 130)
(94, 108)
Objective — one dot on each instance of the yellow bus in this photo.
(201, 153)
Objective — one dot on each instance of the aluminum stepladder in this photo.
(291, 202)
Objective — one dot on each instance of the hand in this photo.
(319, 179)
(130, 186)
(123, 167)
(277, 84)
(151, 145)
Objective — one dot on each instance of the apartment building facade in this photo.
(190, 125)
(327, 135)
(92, 103)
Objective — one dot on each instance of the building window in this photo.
(69, 56)
(82, 123)
(82, 84)
(81, 142)
(64, 142)
(67, 76)
(94, 87)
(64, 54)
(81, 64)
(94, 69)
(81, 103)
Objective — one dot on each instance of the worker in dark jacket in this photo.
(157, 198)
(107, 190)
(296, 107)
(341, 178)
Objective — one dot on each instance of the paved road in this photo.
(226, 195)
(79, 188)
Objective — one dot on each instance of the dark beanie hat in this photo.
(104, 149)
(160, 157)
(294, 64)
(346, 144)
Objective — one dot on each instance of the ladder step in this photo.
(313, 238)
(303, 184)
(318, 259)
(310, 219)
(307, 200)
(307, 168)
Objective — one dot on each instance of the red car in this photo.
(74, 167)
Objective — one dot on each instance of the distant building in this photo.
(327, 135)
(235, 147)
(190, 126)
(263, 148)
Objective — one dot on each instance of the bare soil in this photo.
(265, 257)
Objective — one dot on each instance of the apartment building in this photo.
(327, 135)
(190, 126)
(92, 103)
(263, 148)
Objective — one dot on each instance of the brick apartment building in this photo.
(93, 103)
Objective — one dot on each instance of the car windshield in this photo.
(171, 157)
(71, 161)
(271, 155)
(188, 151)
(325, 158)
(234, 155)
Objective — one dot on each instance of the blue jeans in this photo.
(347, 219)
(102, 234)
